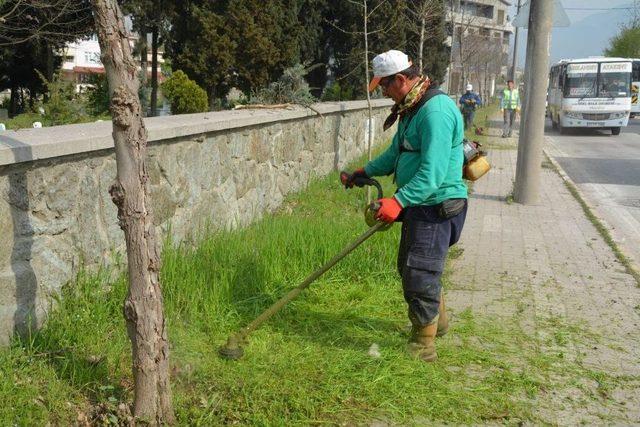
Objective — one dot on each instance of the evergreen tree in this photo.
(249, 43)
(266, 36)
(387, 30)
(30, 34)
(200, 44)
(19, 66)
(313, 42)
(150, 16)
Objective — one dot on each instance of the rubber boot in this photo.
(443, 320)
(422, 342)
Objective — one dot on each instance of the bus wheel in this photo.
(615, 131)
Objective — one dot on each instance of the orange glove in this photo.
(389, 210)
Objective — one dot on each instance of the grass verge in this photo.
(483, 120)
(308, 365)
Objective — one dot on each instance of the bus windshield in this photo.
(593, 80)
(614, 85)
(580, 85)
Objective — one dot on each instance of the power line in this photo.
(599, 8)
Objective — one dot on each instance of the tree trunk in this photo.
(211, 95)
(144, 64)
(421, 43)
(370, 110)
(13, 101)
(50, 70)
(143, 307)
(154, 70)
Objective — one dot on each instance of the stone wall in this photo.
(221, 169)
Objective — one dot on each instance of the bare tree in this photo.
(421, 16)
(466, 43)
(143, 307)
(483, 61)
(50, 20)
(366, 15)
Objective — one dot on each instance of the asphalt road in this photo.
(606, 168)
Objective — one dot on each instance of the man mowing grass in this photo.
(431, 201)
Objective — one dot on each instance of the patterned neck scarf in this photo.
(409, 101)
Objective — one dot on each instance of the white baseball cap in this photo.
(387, 64)
(469, 87)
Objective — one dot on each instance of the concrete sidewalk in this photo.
(546, 265)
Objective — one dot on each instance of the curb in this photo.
(602, 226)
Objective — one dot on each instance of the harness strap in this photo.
(430, 93)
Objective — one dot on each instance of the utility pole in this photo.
(453, 40)
(514, 63)
(532, 136)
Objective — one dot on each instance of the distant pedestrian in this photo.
(509, 106)
(468, 104)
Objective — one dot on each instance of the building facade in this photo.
(480, 35)
(81, 60)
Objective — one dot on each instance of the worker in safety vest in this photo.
(509, 106)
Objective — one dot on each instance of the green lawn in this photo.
(307, 365)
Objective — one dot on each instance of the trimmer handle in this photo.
(359, 181)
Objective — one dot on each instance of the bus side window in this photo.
(635, 74)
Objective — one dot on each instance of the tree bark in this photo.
(421, 42)
(211, 94)
(143, 307)
(50, 70)
(370, 109)
(144, 64)
(13, 101)
(154, 71)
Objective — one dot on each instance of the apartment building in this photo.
(81, 59)
(480, 34)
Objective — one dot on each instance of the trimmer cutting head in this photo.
(231, 350)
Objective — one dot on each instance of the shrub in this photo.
(291, 87)
(98, 99)
(23, 121)
(184, 95)
(335, 92)
(64, 105)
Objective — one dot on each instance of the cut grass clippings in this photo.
(309, 364)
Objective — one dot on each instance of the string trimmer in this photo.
(233, 349)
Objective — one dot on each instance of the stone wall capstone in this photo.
(217, 169)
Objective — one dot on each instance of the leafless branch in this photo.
(375, 8)
(50, 20)
(342, 30)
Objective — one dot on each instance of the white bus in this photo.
(635, 86)
(590, 93)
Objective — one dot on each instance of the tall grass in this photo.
(308, 365)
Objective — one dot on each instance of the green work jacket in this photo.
(432, 170)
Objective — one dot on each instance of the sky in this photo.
(578, 15)
(589, 32)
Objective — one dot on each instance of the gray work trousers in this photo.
(509, 120)
(424, 244)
